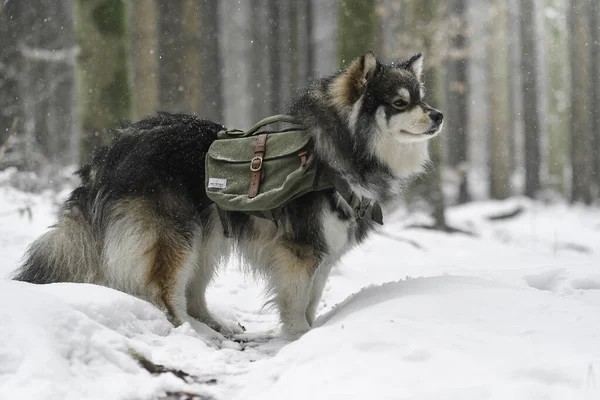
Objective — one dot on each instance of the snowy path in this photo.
(512, 313)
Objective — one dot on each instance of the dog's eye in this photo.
(400, 104)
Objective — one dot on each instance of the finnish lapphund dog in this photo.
(141, 222)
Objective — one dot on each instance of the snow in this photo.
(510, 312)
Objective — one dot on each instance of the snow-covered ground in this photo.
(512, 312)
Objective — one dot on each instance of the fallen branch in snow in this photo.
(400, 239)
(157, 369)
(506, 215)
(184, 396)
(443, 228)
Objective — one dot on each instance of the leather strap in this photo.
(256, 172)
(303, 158)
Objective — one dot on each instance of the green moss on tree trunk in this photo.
(101, 32)
(356, 29)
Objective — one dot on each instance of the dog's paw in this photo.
(293, 331)
(205, 332)
(229, 328)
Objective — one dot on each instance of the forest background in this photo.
(517, 80)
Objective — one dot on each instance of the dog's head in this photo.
(392, 94)
(383, 105)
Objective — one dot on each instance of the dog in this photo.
(141, 222)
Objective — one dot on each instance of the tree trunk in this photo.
(500, 122)
(235, 21)
(104, 87)
(581, 101)
(457, 94)
(191, 63)
(424, 16)
(531, 94)
(145, 57)
(171, 46)
(11, 107)
(516, 97)
(301, 36)
(595, 85)
(260, 60)
(285, 51)
(324, 17)
(47, 84)
(212, 63)
(556, 58)
(356, 34)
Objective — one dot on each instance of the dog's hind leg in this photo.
(174, 264)
(196, 300)
(292, 267)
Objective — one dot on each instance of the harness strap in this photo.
(362, 207)
(256, 172)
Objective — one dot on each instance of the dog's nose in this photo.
(436, 116)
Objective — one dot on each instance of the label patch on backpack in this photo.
(217, 183)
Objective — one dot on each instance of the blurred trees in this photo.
(582, 152)
(557, 65)
(145, 60)
(531, 94)
(37, 48)
(421, 19)
(501, 139)
(595, 88)
(10, 29)
(102, 34)
(518, 80)
(356, 29)
(456, 80)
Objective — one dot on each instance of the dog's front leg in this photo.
(292, 269)
(318, 284)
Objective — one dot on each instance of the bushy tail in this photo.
(67, 253)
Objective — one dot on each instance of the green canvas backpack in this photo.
(260, 170)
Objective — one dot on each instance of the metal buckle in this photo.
(252, 167)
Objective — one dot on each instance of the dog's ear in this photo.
(352, 82)
(360, 72)
(415, 64)
(370, 66)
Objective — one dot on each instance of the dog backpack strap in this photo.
(256, 172)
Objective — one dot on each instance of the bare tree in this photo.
(145, 57)
(457, 93)
(531, 96)
(557, 61)
(47, 83)
(11, 25)
(191, 63)
(235, 22)
(301, 28)
(595, 85)
(212, 62)
(423, 17)
(262, 58)
(581, 101)
(104, 86)
(324, 34)
(501, 143)
(171, 50)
